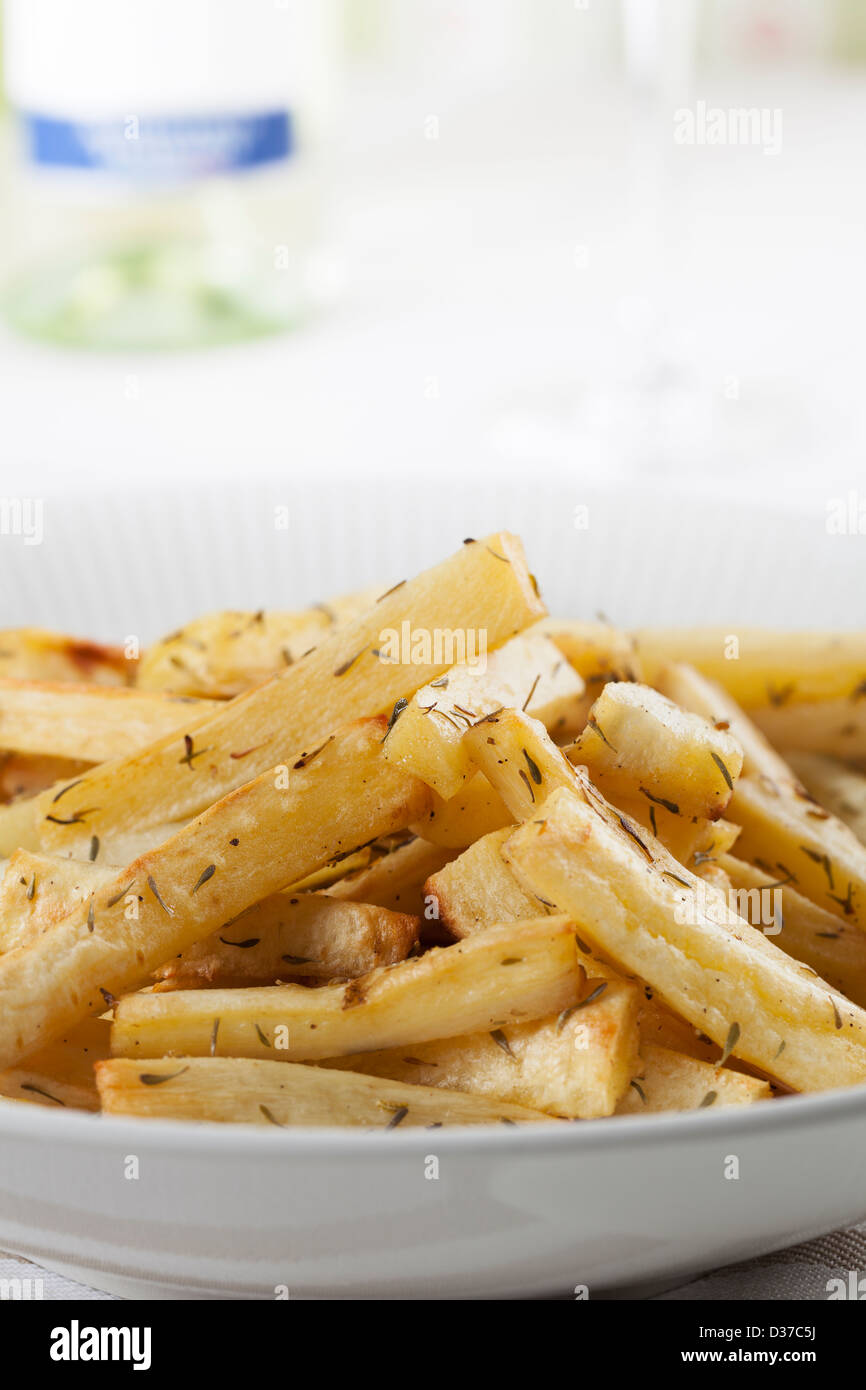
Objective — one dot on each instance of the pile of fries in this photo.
(431, 857)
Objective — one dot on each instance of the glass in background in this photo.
(164, 178)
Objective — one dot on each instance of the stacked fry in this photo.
(431, 857)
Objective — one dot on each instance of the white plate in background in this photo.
(230, 1212)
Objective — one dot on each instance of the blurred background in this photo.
(597, 239)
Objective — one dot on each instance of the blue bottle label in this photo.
(160, 147)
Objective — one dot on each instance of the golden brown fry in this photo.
(575, 1065)
(395, 880)
(88, 722)
(269, 832)
(284, 1094)
(34, 654)
(692, 691)
(519, 760)
(597, 651)
(639, 744)
(761, 666)
(291, 935)
(788, 835)
(501, 976)
(839, 789)
(474, 811)
(38, 890)
(478, 889)
(485, 586)
(25, 774)
(523, 764)
(61, 1074)
(832, 947)
(836, 728)
(224, 653)
(672, 1081)
(653, 919)
(529, 672)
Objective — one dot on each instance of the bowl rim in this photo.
(25, 1120)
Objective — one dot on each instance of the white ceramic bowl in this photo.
(223, 1212)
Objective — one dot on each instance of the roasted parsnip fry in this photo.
(519, 759)
(485, 586)
(236, 1090)
(89, 722)
(224, 653)
(638, 744)
(324, 879)
(652, 918)
(478, 889)
(61, 1074)
(529, 672)
(839, 789)
(672, 1081)
(25, 774)
(474, 811)
(597, 651)
(660, 1027)
(395, 880)
(251, 843)
(787, 834)
(290, 935)
(38, 890)
(692, 691)
(33, 654)
(836, 728)
(831, 946)
(762, 667)
(576, 1065)
(501, 976)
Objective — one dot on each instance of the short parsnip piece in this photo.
(576, 1065)
(269, 832)
(693, 691)
(672, 1081)
(646, 914)
(529, 672)
(637, 743)
(290, 934)
(478, 889)
(505, 975)
(519, 760)
(474, 811)
(235, 1090)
